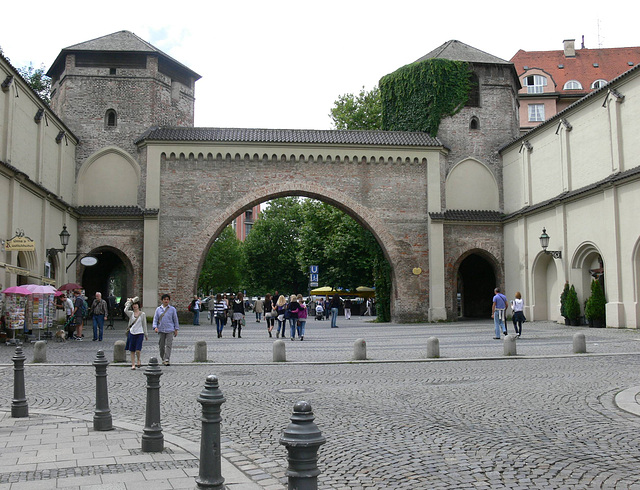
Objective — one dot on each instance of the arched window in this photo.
(474, 123)
(573, 85)
(598, 83)
(111, 119)
(535, 83)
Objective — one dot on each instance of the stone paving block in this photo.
(122, 477)
(164, 474)
(150, 485)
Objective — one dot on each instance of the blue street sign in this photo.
(313, 269)
(313, 277)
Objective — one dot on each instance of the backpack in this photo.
(84, 309)
(190, 307)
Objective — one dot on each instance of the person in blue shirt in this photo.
(165, 324)
(498, 311)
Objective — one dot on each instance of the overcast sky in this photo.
(282, 64)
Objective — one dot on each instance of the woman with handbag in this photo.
(281, 308)
(292, 310)
(137, 329)
(302, 316)
(268, 313)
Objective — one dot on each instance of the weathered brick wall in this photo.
(201, 196)
(142, 98)
(498, 119)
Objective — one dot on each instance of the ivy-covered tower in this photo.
(467, 99)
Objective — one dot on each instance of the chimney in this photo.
(569, 48)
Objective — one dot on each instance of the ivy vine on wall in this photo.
(417, 96)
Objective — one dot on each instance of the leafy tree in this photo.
(223, 268)
(37, 80)
(271, 248)
(362, 111)
(337, 244)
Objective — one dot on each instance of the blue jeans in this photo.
(196, 317)
(258, 316)
(219, 324)
(334, 317)
(499, 324)
(292, 326)
(281, 326)
(301, 328)
(98, 326)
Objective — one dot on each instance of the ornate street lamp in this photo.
(544, 242)
(64, 241)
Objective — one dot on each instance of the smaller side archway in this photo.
(113, 274)
(477, 276)
(587, 265)
(545, 297)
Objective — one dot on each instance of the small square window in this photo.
(536, 112)
(112, 71)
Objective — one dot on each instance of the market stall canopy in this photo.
(17, 290)
(69, 286)
(323, 290)
(366, 292)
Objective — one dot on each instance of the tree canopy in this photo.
(362, 111)
(223, 268)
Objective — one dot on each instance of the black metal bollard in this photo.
(302, 438)
(152, 438)
(102, 415)
(19, 405)
(211, 398)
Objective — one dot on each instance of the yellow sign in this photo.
(20, 244)
(16, 270)
(417, 271)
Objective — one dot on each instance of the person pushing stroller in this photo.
(319, 311)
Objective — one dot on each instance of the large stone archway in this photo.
(200, 189)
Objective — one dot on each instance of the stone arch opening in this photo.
(476, 280)
(112, 274)
(588, 263)
(361, 214)
(545, 300)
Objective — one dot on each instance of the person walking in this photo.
(211, 307)
(335, 305)
(78, 313)
(100, 312)
(238, 314)
(166, 325)
(195, 309)
(137, 330)
(220, 313)
(517, 305)
(258, 307)
(498, 310)
(302, 316)
(292, 310)
(347, 309)
(367, 311)
(68, 310)
(268, 313)
(281, 306)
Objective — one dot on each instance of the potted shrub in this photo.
(572, 306)
(563, 301)
(595, 308)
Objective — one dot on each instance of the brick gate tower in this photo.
(109, 91)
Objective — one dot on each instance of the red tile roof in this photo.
(611, 62)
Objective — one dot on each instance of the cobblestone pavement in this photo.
(543, 419)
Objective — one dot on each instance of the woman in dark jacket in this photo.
(292, 308)
(268, 309)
